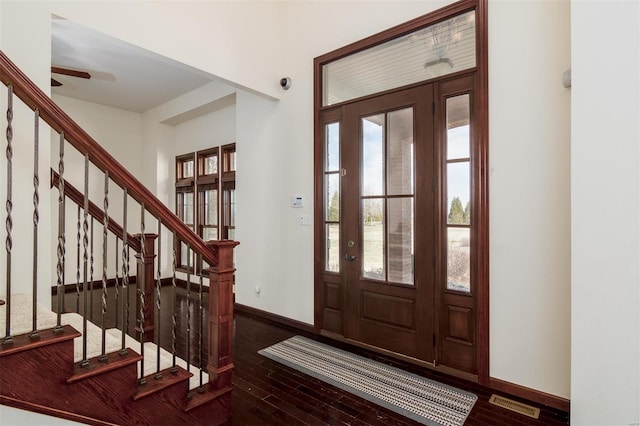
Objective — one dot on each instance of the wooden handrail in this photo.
(96, 212)
(58, 120)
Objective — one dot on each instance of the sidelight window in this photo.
(458, 189)
(332, 196)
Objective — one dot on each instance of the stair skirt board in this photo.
(21, 322)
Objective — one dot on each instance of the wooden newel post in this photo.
(220, 364)
(146, 280)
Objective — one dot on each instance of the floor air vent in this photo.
(518, 407)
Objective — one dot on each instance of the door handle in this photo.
(349, 257)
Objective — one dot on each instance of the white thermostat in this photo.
(296, 201)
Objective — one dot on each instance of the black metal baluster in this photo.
(105, 226)
(188, 316)
(85, 242)
(117, 284)
(91, 273)
(63, 306)
(63, 301)
(200, 325)
(8, 339)
(79, 236)
(158, 288)
(141, 288)
(125, 276)
(61, 237)
(174, 321)
(36, 218)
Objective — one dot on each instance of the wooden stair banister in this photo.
(58, 120)
(197, 406)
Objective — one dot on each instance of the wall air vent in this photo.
(518, 407)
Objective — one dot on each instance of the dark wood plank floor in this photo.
(268, 393)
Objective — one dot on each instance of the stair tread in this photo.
(208, 394)
(95, 367)
(168, 378)
(23, 342)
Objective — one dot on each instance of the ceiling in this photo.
(122, 75)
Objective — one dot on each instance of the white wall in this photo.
(19, 42)
(120, 133)
(272, 253)
(605, 221)
(213, 129)
(529, 158)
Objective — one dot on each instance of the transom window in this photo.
(434, 51)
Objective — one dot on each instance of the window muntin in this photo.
(436, 50)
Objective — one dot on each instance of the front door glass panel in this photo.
(387, 196)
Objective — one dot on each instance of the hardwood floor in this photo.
(268, 393)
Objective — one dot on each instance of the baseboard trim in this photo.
(534, 395)
(180, 283)
(264, 315)
(111, 282)
(49, 411)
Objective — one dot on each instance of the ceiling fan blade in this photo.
(55, 83)
(72, 73)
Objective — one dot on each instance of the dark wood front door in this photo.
(380, 245)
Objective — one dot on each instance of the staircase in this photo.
(62, 364)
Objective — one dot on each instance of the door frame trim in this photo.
(480, 183)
